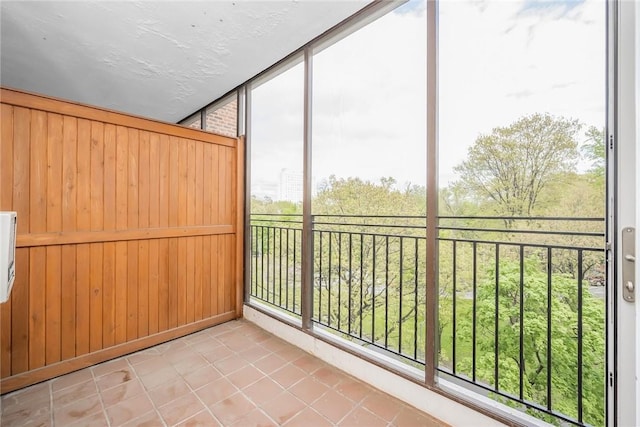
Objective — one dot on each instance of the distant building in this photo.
(291, 186)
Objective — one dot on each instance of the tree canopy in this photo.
(513, 164)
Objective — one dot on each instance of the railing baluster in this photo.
(475, 308)
(339, 280)
(521, 393)
(262, 262)
(361, 279)
(280, 268)
(274, 280)
(580, 277)
(286, 288)
(400, 298)
(496, 340)
(254, 250)
(329, 283)
(373, 291)
(415, 301)
(268, 259)
(454, 299)
(386, 294)
(293, 290)
(320, 280)
(549, 313)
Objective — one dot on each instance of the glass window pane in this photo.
(369, 175)
(521, 164)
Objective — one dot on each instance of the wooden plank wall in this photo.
(127, 234)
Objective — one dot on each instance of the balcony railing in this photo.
(521, 300)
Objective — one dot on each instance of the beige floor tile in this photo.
(284, 407)
(201, 419)
(129, 409)
(308, 390)
(202, 377)
(232, 408)
(76, 411)
(216, 391)
(125, 391)
(333, 406)
(308, 417)
(168, 392)
(180, 409)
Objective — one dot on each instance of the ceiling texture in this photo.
(157, 59)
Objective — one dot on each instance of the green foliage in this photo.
(513, 164)
(262, 206)
(594, 150)
(564, 338)
(353, 196)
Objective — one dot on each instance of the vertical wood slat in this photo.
(163, 245)
(109, 249)
(206, 241)
(154, 221)
(97, 223)
(182, 243)
(191, 216)
(53, 253)
(21, 204)
(143, 245)
(38, 215)
(122, 170)
(172, 250)
(69, 174)
(6, 203)
(199, 214)
(132, 246)
(69, 208)
(83, 223)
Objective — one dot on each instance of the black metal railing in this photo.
(521, 300)
(369, 281)
(276, 254)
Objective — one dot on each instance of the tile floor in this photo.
(234, 374)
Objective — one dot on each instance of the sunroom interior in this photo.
(224, 212)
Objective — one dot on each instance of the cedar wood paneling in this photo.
(129, 234)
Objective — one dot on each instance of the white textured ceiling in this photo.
(157, 59)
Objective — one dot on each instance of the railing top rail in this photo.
(520, 231)
(369, 216)
(525, 218)
(497, 218)
(275, 214)
(347, 224)
(524, 244)
(288, 221)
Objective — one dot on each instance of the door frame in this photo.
(623, 195)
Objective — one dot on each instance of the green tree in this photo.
(594, 150)
(364, 278)
(563, 309)
(513, 164)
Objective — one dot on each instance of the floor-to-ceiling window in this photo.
(276, 148)
(369, 195)
(522, 203)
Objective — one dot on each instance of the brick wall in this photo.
(223, 120)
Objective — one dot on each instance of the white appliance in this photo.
(8, 229)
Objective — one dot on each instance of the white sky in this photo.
(498, 61)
